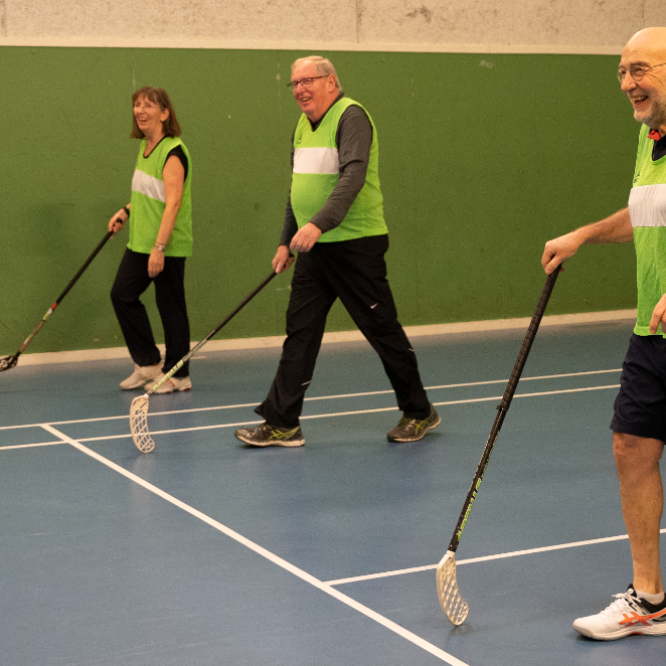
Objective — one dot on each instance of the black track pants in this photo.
(131, 281)
(355, 272)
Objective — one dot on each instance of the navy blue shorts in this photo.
(640, 407)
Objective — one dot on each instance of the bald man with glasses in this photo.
(335, 222)
(639, 421)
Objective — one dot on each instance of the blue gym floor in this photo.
(206, 552)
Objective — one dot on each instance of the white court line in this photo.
(323, 397)
(485, 558)
(29, 446)
(484, 383)
(99, 419)
(271, 557)
(242, 424)
(529, 395)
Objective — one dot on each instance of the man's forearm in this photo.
(290, 226)
(614, 229)
(341, 199)
(354, 140)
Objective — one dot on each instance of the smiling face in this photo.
(646, 49)
(149, 117)
(318, 97)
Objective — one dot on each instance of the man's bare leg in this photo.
(642, 493)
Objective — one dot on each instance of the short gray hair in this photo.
(324, 66)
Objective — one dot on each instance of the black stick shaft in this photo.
(73, 281)
(223, 323)
(240, 306)
(503, 407)
(57, 302)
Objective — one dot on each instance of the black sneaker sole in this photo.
(287, 443)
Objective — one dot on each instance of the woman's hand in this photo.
(117, 222)
(155, 263)
(658, 316)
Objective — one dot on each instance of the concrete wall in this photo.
(539, 26)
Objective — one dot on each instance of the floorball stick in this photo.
(450, 599)
(139, 409)
(8, 362)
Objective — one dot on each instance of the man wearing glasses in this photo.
(335, 221)
(639, 422)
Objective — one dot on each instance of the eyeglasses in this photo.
(306, 83)
(635, 71)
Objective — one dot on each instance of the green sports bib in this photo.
(148, 202)
(316, 173)
(647, 208)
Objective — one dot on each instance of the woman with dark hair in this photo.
(160, 238)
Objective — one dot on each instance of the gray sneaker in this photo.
(268, 435)
(412, 430)
(171, 385)
(141, 374)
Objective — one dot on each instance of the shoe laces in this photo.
(625, 602)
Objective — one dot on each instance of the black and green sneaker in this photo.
(268, 435)
(412, 430)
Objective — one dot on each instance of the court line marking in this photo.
(313, 398)
(485, 558)
(28, 446)
(466, 384)
(242, 424)
(263, 552)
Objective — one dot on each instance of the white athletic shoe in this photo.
(624, 617)
(140, 376)
(170, 385)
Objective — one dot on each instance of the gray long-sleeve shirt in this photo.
(353, 139)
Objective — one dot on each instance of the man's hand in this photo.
(558, 250)
(305, 238)
(658, 316)
(614, 229)
(155, 263)
(283, 259)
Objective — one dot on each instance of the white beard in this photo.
(655, 116)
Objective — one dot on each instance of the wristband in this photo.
(126, 209)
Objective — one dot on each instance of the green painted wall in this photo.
(482, 159)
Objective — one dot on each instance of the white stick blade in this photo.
(139, 424)
(453, 605)
(8, 362)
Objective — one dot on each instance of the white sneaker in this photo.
(170, 385)
(624, 617)
(141, 374)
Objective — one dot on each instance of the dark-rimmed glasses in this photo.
(635, 71)
(306, 82)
